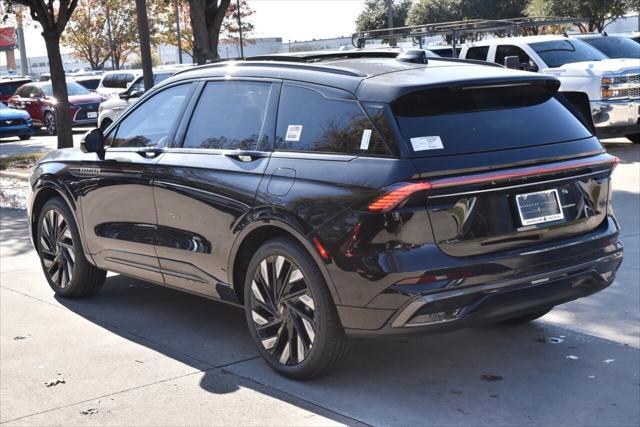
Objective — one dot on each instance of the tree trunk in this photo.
(200, 31)
(58, 81)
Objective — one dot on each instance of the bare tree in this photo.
(206, 21)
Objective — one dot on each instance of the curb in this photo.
(14, 175)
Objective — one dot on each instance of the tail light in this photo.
(397, 194)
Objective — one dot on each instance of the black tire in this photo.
(635, 138)
(25, 137)
(306, 320)
(526, 318)
(49, 124)
(63, 263)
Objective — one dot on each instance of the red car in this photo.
(37, 99)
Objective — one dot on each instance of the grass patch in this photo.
(20, 161)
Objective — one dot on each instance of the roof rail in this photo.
(265, 62)
(455, 29)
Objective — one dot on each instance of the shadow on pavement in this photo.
(436, 377)
(13, 232)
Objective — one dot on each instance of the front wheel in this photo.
(49, 123)
(635, 138)
(24, 137)
(290, 312)
(67, 270)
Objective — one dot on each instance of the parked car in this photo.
(116, 82)
(8, 87)
(612, 86)
(343, 196)
(90, 82)
(612, 46)
(14, 123)
(37, 99)
(111, 108)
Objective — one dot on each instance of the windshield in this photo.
(615, 47)
(73, 88)
(557, 53)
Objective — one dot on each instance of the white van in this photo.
(116, 82)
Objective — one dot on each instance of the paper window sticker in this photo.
(293, 133)
(427, 143)
(366, 137)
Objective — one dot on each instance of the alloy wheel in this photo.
(283, 310)
(50, 124)
(56, 246)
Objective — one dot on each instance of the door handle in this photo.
(245, 156)
(150, 152)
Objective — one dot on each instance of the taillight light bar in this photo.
(400, 192)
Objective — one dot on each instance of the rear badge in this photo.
(427, 143)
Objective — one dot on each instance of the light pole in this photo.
(24, 63)
(240, 28)
(110, 36)
(178, 35)
(145, 43)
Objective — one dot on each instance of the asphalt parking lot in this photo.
(141, 354)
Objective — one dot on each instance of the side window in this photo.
(137, 86)
(308, 121)
(480, 53)
(107, 81)
(152, 122)
(526, 63)
(229, 115)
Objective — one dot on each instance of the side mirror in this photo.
(124, 95)
(93, 142)
(512, 62)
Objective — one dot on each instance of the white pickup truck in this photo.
(611, 85)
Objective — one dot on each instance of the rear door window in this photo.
(526, 63)
(445, 121)
(229, 116)
(478, 53)
(310, 121)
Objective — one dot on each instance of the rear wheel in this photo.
(526, 318)
(290, 312)
(49, 123)
(635, 138)
(67, 270)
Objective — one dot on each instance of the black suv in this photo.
(336, 195)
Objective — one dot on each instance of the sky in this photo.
(289, 19)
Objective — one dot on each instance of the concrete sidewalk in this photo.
(140, 354)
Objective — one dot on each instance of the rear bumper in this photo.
(616, 118)
(533, 288)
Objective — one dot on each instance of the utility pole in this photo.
(392, 42)
(240, 28)
(110, 36)
(178, 35)
(145, 44)
(24, 63)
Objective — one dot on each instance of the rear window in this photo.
(446, 121)
(9, 88)
(89, 84)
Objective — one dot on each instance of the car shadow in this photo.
(424, 372)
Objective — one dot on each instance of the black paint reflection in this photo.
(151, 234)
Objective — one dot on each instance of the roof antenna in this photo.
(415, 56)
